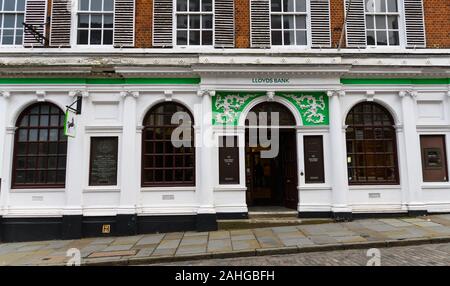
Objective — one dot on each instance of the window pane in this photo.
(194, 38)
(370, 38)
(9, 21)
(276, 38)
(194, 5)
(194, 22)
(96, 21)
(207, 22)
(288, 22)
(393, 38)
(370, 22)
(96, 5)
(84, 5)
(43, 135)
(9, 5)
(300, 22)
(20, 5)
(380, 22)
(300, 5)
(107, 37)
(276, 22)
(108, 5)
(301, 38)
(289, 38)
(182, 21)
(288, 5)
(182, 5)
(206, 5)
(8, 37)
(82, 37)
(381, 38)
(276, 5)
(108, 21)
(181, 37)
(83, 21)
(392, 6)
(207, 38)
(392, 22)
(380, 5)
(19, 21)
(96, 37)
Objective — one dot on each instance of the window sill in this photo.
(436, 185)
(374, 187)
(168, 189)
(228, 188)
(38, 190)
(102, 189)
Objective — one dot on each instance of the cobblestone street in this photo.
(421, 255)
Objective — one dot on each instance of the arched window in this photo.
(371, 145)
(265, 110)
(167, 162)
(40, 148)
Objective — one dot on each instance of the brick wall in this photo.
(242, 22)
(337, 20)
(144, 14)
(437, 23)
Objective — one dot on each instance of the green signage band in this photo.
(84, 81)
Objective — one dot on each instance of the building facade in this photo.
(362, 93)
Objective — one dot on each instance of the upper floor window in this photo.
(288, 22)
(11, 21)
(95, 22)
(194, 22)
(382, 23)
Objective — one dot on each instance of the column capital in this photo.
(127, 93)
(406, 93)
(5, 94)
(206, 92)
(336, 93)
(78, 92)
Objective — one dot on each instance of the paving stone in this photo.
(301, 241)
(191, 249)
(395, 222)
(194, 240)
(127, 240)
(219, 245)
(171, 243)
(105, 240)
(245, 244)
(284, 229)
(351, 239)
(145, 252)
(150, 239)
(241, 232)
(323, 239)
(219, 235)
(381, 227)
(242, 237)
(174, 235)
(292, 234)
(118, 247)
(194, 233)
(269, 242)
(28, 248)
(164, 252)
(426, 224)
(112, 253)
(85, 251)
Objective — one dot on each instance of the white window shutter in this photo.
(320, 23)
(224, 23)
(414, 24)
(162, 23)
(35, 15)
(260, 23)
(124, 23)
(355, 30)
(60, 23)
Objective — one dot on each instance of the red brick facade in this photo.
(242, 22)
(437, 23)
(143, 21)
(337, 20)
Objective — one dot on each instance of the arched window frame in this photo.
(36, 150)
(187, 171)
(387, 125)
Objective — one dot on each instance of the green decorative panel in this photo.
(313, 106)
(228, 106)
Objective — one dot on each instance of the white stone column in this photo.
(413, 166)
(339, 177)
(129, 172)
(8, 148)
(206, 213)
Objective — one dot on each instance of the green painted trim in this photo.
(137, 81)
(395, 81)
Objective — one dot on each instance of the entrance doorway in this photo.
(272, 181)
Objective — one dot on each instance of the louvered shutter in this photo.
(224, 23)
(124, 23)
(35, 15)
(414, 23)
(320, 23)
(356, 24)
(162, 23)
(260, 23)
(60, 23)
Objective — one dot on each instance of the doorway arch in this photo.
(271, 156)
